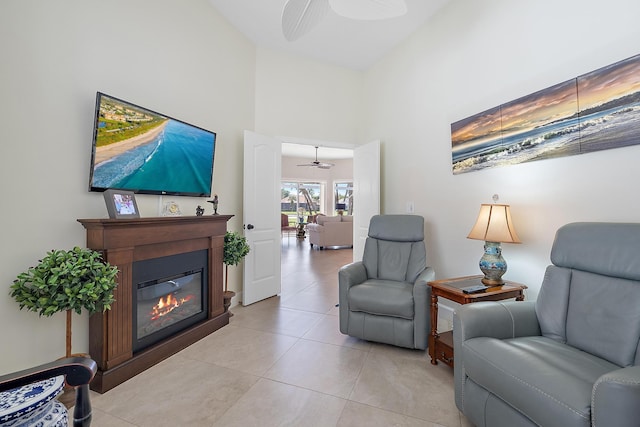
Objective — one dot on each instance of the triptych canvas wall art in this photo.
(596, 111)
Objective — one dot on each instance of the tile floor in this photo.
(283, 362)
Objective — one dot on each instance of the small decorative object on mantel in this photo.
(235, 249)
(121, 204)
(214, 202)
(199, 211)
(171, 209)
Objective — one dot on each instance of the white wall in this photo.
(475, 55)
(307, 99)
(184, 61)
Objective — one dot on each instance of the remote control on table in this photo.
(474, 289)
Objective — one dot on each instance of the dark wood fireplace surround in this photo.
(125, 241)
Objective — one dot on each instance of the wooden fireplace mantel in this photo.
(125, 241)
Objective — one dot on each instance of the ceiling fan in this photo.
(317, 164)
(301, 16)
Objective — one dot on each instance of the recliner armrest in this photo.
(615, 399)
(502, 320)
(348, 276)
(427, 275)
(352, 274)
(422, 298)
(422, 307)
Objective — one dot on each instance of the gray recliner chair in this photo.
(571, 358)
(385, 297)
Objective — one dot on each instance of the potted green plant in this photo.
(67, 280)
(235, 249)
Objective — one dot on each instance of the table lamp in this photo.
(494, 225)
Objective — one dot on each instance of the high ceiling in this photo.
(337, 40)
(306, 151)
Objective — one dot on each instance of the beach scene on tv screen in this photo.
(142, 151)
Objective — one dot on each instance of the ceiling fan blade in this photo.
(318, 164)
(369, 10)
(301, 16)
(325, 165)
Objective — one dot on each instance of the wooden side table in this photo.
(441, 345)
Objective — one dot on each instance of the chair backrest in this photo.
(394, 249)
(590, 296)
(284, 220)
(36, 387)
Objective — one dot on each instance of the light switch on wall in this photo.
(409, 207)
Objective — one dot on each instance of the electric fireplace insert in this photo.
(170, 294)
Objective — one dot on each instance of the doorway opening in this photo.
(308, 191)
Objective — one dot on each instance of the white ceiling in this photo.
(309, 152)
(341, 41)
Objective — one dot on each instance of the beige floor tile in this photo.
(291, 285)
(357, 415)
(176, 392)
(399, 352)
(272, 302)
(300, 278)
(268, 316)
(246, 350)
(407, 385)
(323, 288)
(284, 362)
(464, 422)
(327, 330)
(312, 301)
(335, 311)
(271, 403)
(321, 367)
(102, 419)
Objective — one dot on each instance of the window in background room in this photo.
(343, 197)
(299, 200)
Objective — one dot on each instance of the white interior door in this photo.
(366, 192)
(261, 216)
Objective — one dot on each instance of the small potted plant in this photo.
(67, 281)
(235, 249)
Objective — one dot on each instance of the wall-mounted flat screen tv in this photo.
(140, 150)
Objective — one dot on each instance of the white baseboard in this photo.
(236, 300)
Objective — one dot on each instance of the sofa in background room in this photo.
(331, 231)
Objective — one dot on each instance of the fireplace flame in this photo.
(167, 304)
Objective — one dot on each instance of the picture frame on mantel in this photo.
(121, 204)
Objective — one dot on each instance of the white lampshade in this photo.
(494, 224)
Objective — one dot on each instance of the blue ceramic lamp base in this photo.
(492, 264)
